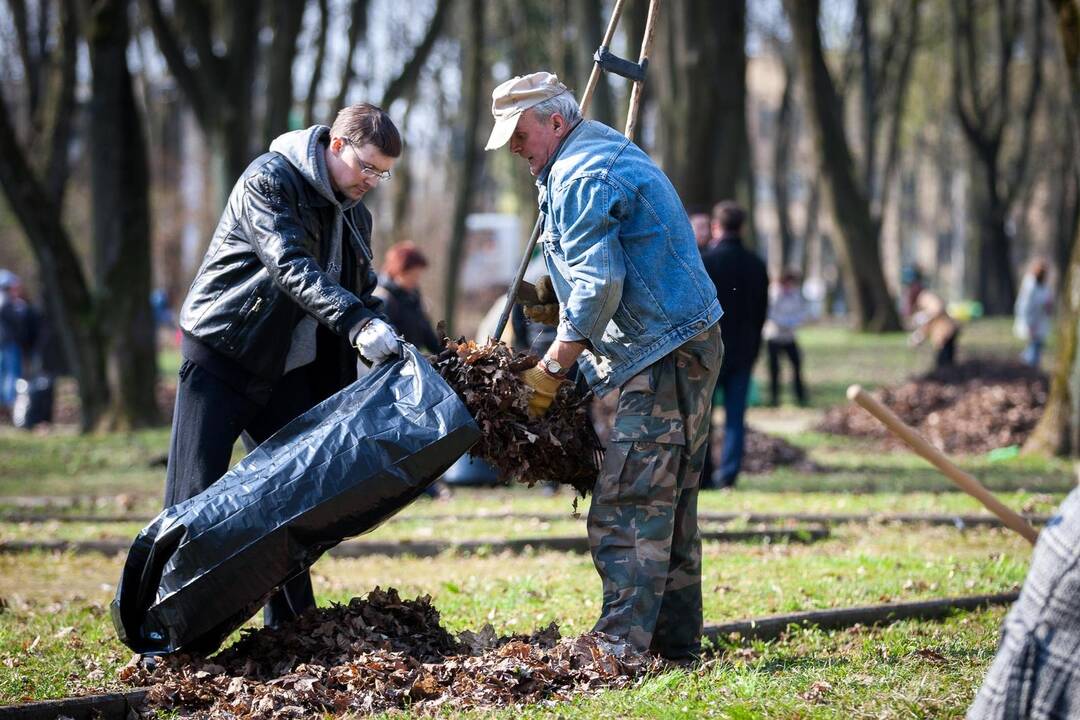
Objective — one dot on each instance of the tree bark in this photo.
(473, 107)
(1058, 431)
(856, 245)
(781, 162)
(700, 81)
(286, 17)
(588, 16)
(984, 120)
(67, 296)
(316, 70)
(121, 221)
(216, 84)
(36, 203)
(405, 82)
(357, 30)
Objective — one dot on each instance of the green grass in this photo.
(48, 593)
(835, 357)
(56, 638)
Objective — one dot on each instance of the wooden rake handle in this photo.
(1009, 517)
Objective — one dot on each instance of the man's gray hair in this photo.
(564, 104)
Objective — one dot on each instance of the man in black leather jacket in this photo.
(282, 304)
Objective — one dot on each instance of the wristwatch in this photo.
(551, 366)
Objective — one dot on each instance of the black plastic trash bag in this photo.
(204, 566)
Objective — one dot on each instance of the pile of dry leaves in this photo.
(379, 654)
(561, 446)
(973, 407)
(764, 453)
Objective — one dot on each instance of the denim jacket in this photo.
(621, 255)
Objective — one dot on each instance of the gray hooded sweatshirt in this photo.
(305, 150)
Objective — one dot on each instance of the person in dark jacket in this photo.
(282, 304)
(399, 289)
(742, 286)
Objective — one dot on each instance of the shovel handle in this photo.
(1009, 517)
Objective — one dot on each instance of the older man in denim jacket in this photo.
(637, 312)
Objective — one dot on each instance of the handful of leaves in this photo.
(560, 446)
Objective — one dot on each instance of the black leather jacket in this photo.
(264, 267)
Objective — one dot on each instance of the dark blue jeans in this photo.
(736, 385)
(208, 418)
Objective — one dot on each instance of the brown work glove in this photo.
(544, 386)
(545, 311)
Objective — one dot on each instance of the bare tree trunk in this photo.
(781, 162)
(856, 244)
(404, 84)
(472, 107)
(357, 30)
(984, 119)
(285, 19)
(588, 16)
(218, 85)
(316, 70)
(1058, 431)
(700, 81)
(121, 224)
(35, 200)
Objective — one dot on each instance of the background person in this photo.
(932, 322)
(10, 335)
(787, 313)
(1033, 311)
(399, 289)
(701, 224)
(742, 287)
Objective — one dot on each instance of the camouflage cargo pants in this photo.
(643, 528)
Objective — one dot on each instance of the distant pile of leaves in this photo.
(561, 446)
(764, 453)
(973, 407)
(380, 654)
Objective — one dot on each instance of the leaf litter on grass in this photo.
(382, 653)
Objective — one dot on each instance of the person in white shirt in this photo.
(1034, 307)
(787, 312)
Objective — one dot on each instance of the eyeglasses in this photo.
(367, 168)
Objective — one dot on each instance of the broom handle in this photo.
(1011, 519)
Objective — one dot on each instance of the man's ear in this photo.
(336, 145)
(559, 125)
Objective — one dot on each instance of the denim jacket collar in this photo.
(541, 178)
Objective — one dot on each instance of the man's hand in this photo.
(378, 342)
(544, 386)
(545, 309)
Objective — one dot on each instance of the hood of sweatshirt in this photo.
(306, 151)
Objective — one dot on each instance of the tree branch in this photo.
(196, 23)
(900, 90)
(316, 71)
(198, 94)
(59, 108)
(31, 64)
(357, 28)
(404, 82)
(1027, 116)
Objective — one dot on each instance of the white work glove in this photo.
(378, 342)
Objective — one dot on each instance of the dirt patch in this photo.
(379, 654)
(973, 408)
